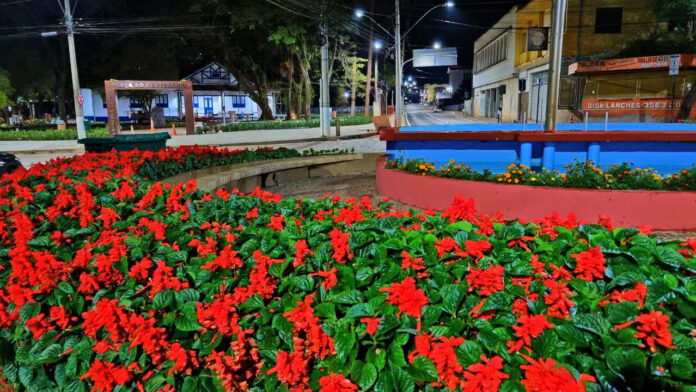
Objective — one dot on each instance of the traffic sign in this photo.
(674, 61)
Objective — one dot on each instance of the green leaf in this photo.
(592, 323)
(255, 302)
(347, 297)
(303, 282)
(178, 256)
(385, 382)
(670, 257)
(187, 295)
(423, 369)
(403, 381)
(75, 386)
(190, 384)
(163, 299)
(343, 343)
(452, 295)
(368, 376)
(659, 291)
(360, 310)
(629, 365)
(681, 366)
(497, 300)
(187, 320)
(50, 354)
(29, 310)
(621, 312)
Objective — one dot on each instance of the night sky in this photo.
(479, 13)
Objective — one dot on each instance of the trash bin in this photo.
(88, 125)
(148, 141)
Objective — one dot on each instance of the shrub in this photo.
(51, 134)
(112, 282)
(266, 125)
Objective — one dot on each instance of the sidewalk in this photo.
(241, 138)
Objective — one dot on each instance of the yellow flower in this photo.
(533, 178)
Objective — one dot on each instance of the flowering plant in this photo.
(578, 175)
(112, 282)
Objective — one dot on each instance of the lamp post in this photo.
(376, 106)
(397, 37)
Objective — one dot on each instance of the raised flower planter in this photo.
(660, 210)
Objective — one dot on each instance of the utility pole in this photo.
(324, 115)
(398, 82)
(559, 10)
(377, 111)
(79, 117)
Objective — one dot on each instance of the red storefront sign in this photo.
(630, 64)
(655, 107)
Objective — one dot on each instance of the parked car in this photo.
(8, 163)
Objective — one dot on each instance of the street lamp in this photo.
(397, 37)
(437, 45)
(376, 110)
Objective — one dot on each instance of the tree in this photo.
(678, 13)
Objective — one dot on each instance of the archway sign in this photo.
(111, 86)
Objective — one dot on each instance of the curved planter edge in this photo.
(659, 210)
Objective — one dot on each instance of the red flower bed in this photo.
(113, 282)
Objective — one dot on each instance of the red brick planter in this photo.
(659, 210)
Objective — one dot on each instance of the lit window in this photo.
(162, 101)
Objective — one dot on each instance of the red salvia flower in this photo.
(476, 248)
(528, 327)
(544, 376)
(371, 324)
(445, 359)
(330, 277)
(461, 209)
(653, 328)
(336, 383)
(484, 377)
(339, 241)
(636, 294)
(407, 297)
(558, 299)
(292, 369)
(106, 376)
(227, 259)
(486, 281)
(590, 264)
(301, 251)
(277, 222)
(413, 262)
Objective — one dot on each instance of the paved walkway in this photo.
(357, 137)
(241, 138)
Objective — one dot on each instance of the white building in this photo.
(215, 92)
(495, 81)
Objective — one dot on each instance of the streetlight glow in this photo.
(410, 78)
(437, 45)
(359, 13)
(449, 4)
(378, 45)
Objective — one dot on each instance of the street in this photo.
(422, 115)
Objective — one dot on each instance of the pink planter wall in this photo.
(659, 210)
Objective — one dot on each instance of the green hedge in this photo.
(264, 125)
(65, 134)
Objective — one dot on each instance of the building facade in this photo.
(216, 93)
(494, 78)
(595, 29)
